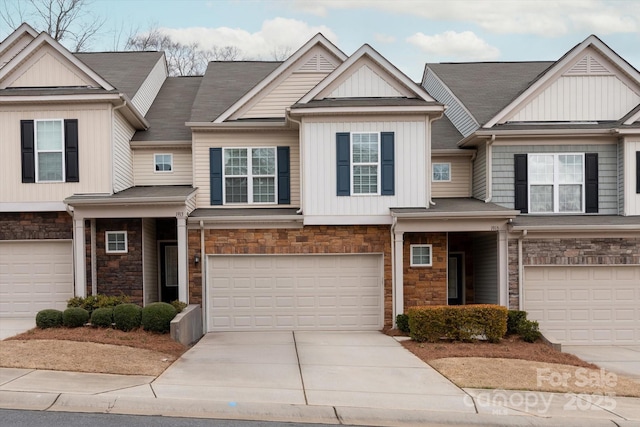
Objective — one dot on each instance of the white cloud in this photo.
(542, 18)
(451, 45)
(276, 34)
(384, 38)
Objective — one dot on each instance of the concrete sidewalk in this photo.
(621, 359)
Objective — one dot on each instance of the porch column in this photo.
(398, 276)
(79, 262)
(503, 268)
(182, 260)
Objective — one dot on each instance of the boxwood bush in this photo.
(127, 316)
(49, 318)
(520, 325)
(179, 305)
(156, 317)
(402, 322)
(75, 317)
(102, 317)
(93, 302)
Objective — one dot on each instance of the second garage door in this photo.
(585, 304)
(323, 292)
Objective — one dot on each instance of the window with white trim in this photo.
(421, 255)
(163, 162)
(365, 163)
(116, 242)
(441, 172)
(556, 183)
(250, 175)
(49, 150)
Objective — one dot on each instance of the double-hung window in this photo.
(556, 183)
(49, 150)
(365, 163)
(250, 175)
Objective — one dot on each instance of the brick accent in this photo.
(578, 251)
(35, 225)
(308, 240)
(425, 285)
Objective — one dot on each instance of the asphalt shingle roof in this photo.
(444, 134)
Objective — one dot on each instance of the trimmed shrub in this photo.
(513, 320)
(93, 302)
(458, 323)
(402, 322)
(75, 317)
(178, 305)
(49, 318)
(127, 316)
(156, 317)
(529, 331)
(102, 317)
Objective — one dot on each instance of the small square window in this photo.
(116, 242)
(421, 255)
(441, 172)
(163, 162)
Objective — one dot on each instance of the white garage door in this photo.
(585, 305)
(34, 276)
(329, 292)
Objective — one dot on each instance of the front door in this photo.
(455, 279)
(168, 271)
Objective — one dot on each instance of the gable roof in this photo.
(126, 71)
(170, 110)
(13, 38)
(487, 87)
(632, 117)
(224, 83)
(444, 134)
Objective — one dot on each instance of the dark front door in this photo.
(455, 279)
(168, 271)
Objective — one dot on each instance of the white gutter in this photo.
(247, 218)
(393, 273)
(450, 215)
(489, 171)
(203, 275)
(301, 153)
(429, 163)
(389, 109)
(521, 271)
(236, 124)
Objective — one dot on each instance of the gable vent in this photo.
(588, 65)
(317, 63)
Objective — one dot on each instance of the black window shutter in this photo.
(28, 155)
(72, 172)
(215, 171)
(591, 182)
(343, 167)
(521, 183)
(284, 176)
(387, 163)
(638, 172)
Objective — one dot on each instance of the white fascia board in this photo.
(555, 69)
(13, 37)
(46, 38)
(459, 215)
(368, 110)
(347, 220)
(120, 201)
(376, 57)
(235, 125)
(628, 131)
(577, 228)
(452, 152)
(32, 207)
(159, 144)
(633, 119)
(317, 39)
(88, 97)
(543, 132)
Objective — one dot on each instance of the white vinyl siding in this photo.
(459, 184)
(205, 140)
(321, 201)
(485, 274)
(122, 155)
(150, 260)
(94, 151)
(365, 82)
(149, 89)
(46, 68)
(145, 173)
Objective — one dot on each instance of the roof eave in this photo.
(577, 228)
(367, 110)
(119, 201)
(507, 214)
(234, 219)
(236, 125)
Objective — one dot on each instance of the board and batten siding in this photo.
(150, 261)
(144, 172)
(479, 188)
(574, 98)
(632, 198)
(460, 184)
(365, 82)
(202, 141)
(94, 150)
(122, 155)
(284, 95)
(47, 68)
(149, 89)
(319, 150)
(503, 171)
(485, 271)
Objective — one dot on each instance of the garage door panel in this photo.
(585, 304)
(291, 292)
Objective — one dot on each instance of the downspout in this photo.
(429, 177)
(489, 171)
(393, 272)
(203, 275)
(520, 270)
(299, 122)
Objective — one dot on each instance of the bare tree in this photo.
(67, 21)
(280, 53)
(225, 53)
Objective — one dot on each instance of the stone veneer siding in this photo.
(567, 251)
(307, 240)
(35, 225)
(425, 285)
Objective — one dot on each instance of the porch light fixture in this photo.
(196, 258)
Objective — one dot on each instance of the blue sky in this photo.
(407, 32)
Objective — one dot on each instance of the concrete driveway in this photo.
(621, 359)
(10, 326)
(362, 369)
